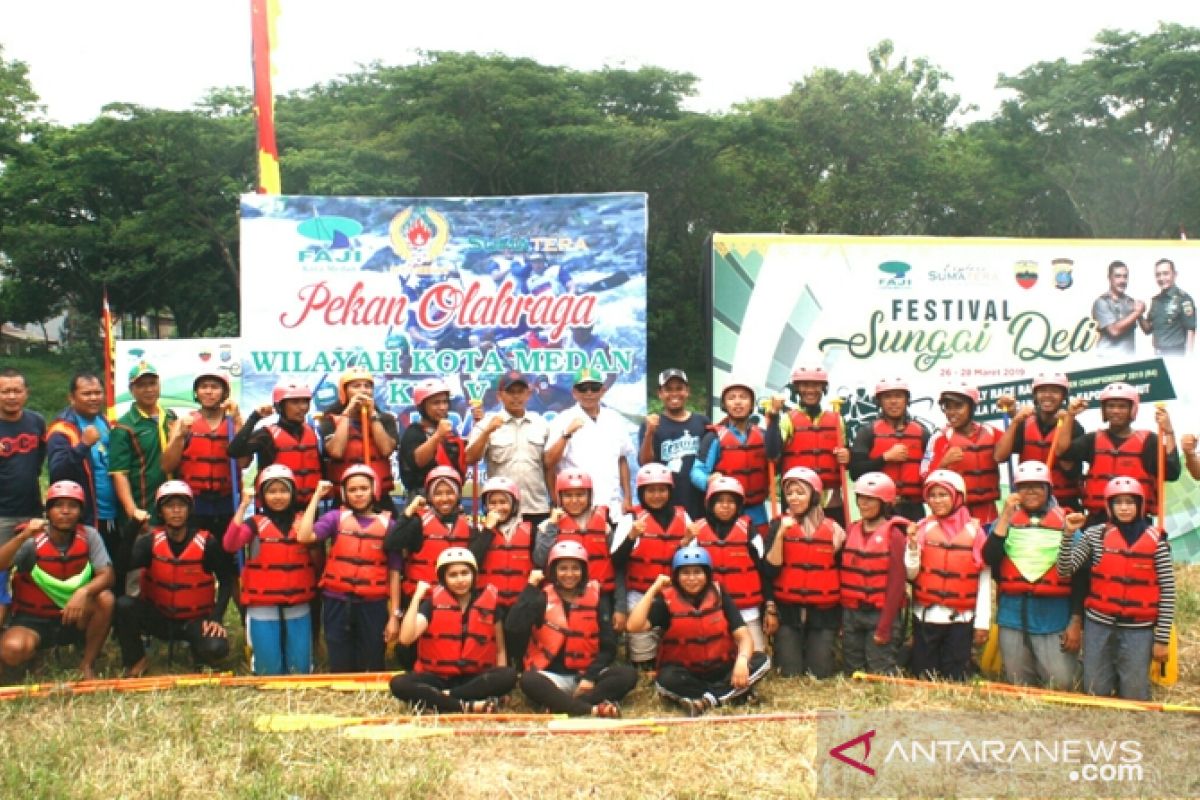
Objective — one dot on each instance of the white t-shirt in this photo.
(596, 448)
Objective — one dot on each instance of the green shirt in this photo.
(135, 448)
(1172, 315)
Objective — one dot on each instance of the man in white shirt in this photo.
(594, 438)
(512, 444)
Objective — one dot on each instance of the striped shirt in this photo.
(1089, 548)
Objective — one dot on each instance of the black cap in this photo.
(667, 374)
(509, 378)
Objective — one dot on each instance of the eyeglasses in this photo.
(589, 388)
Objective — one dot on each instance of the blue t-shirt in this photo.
(22, 451)
(106, 498)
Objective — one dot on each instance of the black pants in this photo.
(227, 569)
(678, 682)
(354, 634)
(426, 690)
(135, 616)
(942, 651)
(612, 685)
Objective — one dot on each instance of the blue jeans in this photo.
(281, 646)
(1116, 658)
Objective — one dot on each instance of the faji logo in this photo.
(333, 243)
(897, 275)
(864, 739)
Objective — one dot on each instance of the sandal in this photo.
(607, 709)
(697, 707)
(488, 706)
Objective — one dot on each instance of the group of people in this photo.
(1170, 321)
(701, 561)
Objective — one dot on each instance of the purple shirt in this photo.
(327, 526)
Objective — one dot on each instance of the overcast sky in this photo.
(83, 54)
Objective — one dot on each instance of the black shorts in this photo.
(50, 630)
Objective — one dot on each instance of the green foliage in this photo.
(47, 375)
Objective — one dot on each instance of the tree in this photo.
(18, 104)
(1118, 132)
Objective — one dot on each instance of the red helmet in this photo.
(877, 485)
(1121, 391)
(1123, 485)
(174, 489)
(427, 389)
(442, 473)
(1052, 379)
(501, 484)
(804, 475)
(738, 384)
(366, 472)
(947, 479)
(290, 390)
(355, 373)
(572, 479)
(275, 472)
(65, 489)
(568, 548)
(892, 385)
(654, 475)
(965, 390)
(1031, 472)
(809, 373)
(212, 375)
(724, 484)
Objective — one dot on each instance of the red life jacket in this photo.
(811, 445)
(594, 538)
(178, 586)
(809, 574)
(508, 564)
(732, 566)
(698, 637)
(747, 462)
(1111, 461)
(302, 457)
(436, 537)
(1037, 448)
(442, 458)
(280, 572)
(905, 474)
(452, 646)
(652, 554)
(978, 467)
(864, 569)
(949, 574)
(205, 466)
(1009, 580)
(357, 564)
(1124, 581)
(380, 463)
(572, 629)
(27, 596)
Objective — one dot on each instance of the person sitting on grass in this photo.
(569, 665)
(177, 601)
(461, 662)
(61, 585)
(706, 657)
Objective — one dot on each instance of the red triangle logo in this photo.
(864, 739)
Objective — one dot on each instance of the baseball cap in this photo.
(509, 378)
(666, 375)
(141, 370)
(588, 375)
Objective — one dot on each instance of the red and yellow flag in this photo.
(263, 14)
(110, 361)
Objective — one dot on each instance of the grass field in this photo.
(191, 743)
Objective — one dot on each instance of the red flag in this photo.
(110, 361)
(263, 14)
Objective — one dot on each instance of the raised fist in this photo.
(422, 589)
(90, 436)
(414, 506)
(324, 488)
(651, 422)
(444, 428)
(536, 577)
(1075, 521)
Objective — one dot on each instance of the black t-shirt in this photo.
(22, 451)
(413, 475)
(677, 444)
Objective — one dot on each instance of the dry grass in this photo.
(202, 743)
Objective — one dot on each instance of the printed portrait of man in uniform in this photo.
(1171, 321)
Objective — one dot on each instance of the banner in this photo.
(991, 312)
(178, 362)
(462, 289)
